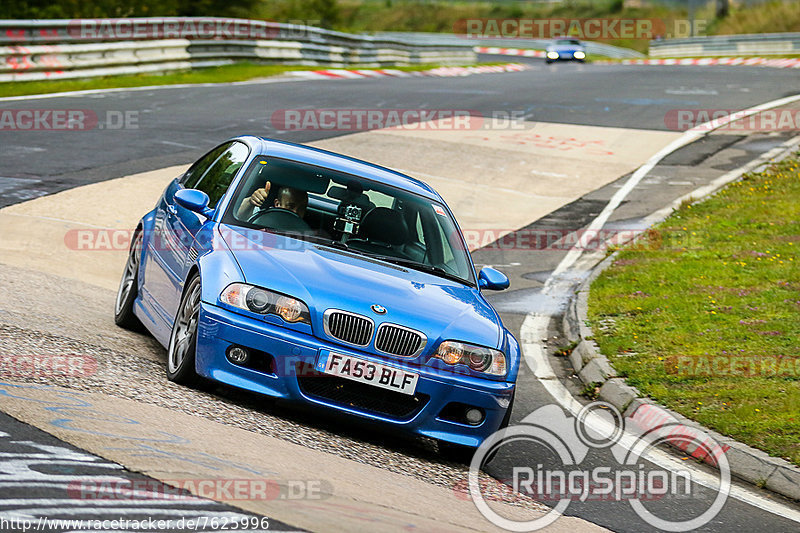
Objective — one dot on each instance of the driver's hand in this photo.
(258, 197)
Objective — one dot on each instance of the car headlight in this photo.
(579, 55)
(478, 358)
(266, 302)
(552, 55)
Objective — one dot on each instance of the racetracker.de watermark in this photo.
(111, 240)
(744, 366)
(348, 119)
(67, 120)
(535, 239)
(179, 490)
(186, 28)
(732, 120)
(47, 366)
(578, 28)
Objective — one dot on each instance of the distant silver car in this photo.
(565, 50)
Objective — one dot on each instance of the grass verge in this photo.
(707, 322)
(224, 74)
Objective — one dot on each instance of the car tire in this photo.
(464, 454)
(124, 316)
(183, 339)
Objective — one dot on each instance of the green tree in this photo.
(69, 9)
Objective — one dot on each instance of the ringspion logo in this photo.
(573, 475)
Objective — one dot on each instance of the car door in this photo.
(178, 227)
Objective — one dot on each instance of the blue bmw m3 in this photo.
(317, 278)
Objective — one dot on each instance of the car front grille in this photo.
(348, 327)
(360, 396)
(397, 340)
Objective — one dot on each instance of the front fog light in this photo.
(579, 55)
(552, 55)
(474, 416)
(238, 355)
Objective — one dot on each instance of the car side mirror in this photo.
(492, 279)
(194, 200)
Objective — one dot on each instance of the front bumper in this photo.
(291, 356)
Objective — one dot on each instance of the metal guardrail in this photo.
(594, 48)
(726, 45)
(46, 49)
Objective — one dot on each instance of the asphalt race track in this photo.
(176, 125)
(552, 176)
(41, 475)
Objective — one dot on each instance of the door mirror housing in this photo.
(492, 279)
(194, 200)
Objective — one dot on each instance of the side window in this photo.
(196, 171)
(216, 180)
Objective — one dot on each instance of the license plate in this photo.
(371, 373)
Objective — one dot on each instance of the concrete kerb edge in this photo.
(746, 463)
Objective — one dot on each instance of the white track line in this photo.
(534, 327)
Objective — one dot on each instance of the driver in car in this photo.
(288, 198)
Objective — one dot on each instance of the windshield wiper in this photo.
(431, 269)
(306, 236)
(340, 245)
(296, 234)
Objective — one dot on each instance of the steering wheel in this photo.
(280, 218)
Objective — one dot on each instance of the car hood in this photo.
(329, 278)
(564, 48)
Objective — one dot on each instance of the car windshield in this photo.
(350, 212)
(568, 42)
